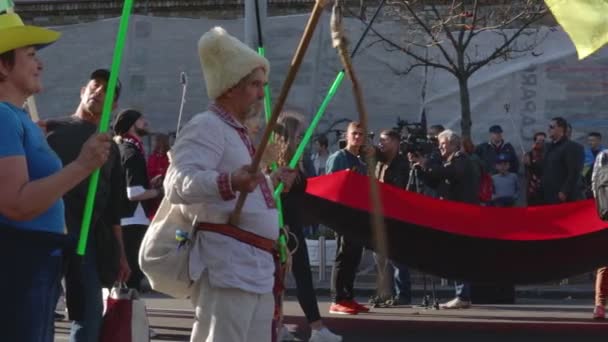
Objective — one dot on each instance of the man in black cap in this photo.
(130, 127)
(105, 261)
(488, 152)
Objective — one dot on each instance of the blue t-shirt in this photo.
(19, 136)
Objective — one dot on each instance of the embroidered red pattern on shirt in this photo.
(223, 183)
(242, 131)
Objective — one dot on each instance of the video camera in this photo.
(414, 138)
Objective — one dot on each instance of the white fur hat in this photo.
(226, 60)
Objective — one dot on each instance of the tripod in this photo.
(428, 301)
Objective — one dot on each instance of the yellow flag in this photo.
(585, 21)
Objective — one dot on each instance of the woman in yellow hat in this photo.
(33, 181)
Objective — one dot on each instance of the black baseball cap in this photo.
(496, 129)
(104, 74)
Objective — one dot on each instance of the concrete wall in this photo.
(160, 48)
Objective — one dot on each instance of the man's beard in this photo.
(255, 109)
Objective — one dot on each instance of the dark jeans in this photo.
(403, 285)
(348, 257)
(31, 263)
(29, 306)
(132, 236)
(87, 329)
(398, 278)
(463, 291)
(303, 275)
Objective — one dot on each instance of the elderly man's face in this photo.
(248, 95)
(446, 147)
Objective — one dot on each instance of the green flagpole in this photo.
(330, 95)
(313, 125)
(282, 242)
(104, 123)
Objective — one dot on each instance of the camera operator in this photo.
(430, 151)
(392, 168)
(455, 179)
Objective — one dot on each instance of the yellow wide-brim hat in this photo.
(14, 34)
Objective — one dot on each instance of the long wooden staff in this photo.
(340, 42)
(278, 107)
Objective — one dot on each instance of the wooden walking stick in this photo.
(278, 107)
(340, 42)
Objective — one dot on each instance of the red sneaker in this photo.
(360, 308)
(342, 308)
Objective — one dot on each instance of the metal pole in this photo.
(322, 258)
(255, 20)
(184, 82)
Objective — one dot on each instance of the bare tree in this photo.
(442, 35)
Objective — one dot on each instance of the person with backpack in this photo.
(599, 186)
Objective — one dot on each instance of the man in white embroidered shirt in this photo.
(232, 267)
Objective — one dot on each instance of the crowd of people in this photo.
(555, 171)
(45, 165)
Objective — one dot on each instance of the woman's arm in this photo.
(23, 200)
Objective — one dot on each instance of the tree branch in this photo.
(473, 67)
(444, 27)
(473, 25)
(420, 59)
(430, 34)
(403, 72)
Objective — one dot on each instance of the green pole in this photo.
(313, 125)
(267, 104)
(282, 242)
(104, 123)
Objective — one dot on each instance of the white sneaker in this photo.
(285, 335)
(456, 303)
(324, 335)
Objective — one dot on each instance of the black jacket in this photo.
(66, 136)
(136, 174)
(488, 153)
(562, 168)
(456, 179)
(292, 205)
(396, 173)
